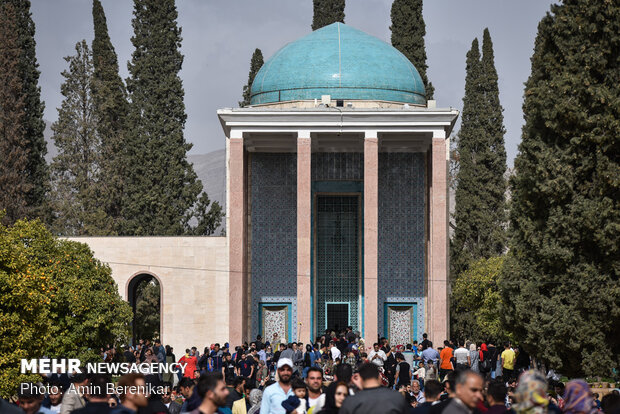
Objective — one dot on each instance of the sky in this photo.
(220, 36)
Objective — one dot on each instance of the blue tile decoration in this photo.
(337, 166)
(273, 254)
(401, 255)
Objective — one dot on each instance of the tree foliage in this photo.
(408, 31)
(56, 300)
(560, 283)
(477, 301)
(111, 108)
(14, 183)
(162, 192)
(255, 64)
(480, 211)
(327, 12)
(36, 173)
(76, 197)
(148, 306)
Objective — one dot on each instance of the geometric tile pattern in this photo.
(337, 166)
(401, 232)
(400, 320)
(273, 192)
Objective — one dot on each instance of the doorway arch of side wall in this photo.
(130, 295)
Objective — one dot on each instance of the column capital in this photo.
(303, 133)
(439, 133)
(236, 133)
(370, 134)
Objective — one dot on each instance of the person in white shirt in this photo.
(335, 351)
(377, 356)
(461, 355)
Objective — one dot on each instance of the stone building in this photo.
(337, 207)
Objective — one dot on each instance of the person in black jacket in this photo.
(97, 399)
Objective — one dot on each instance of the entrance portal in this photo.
(338, 261)
(144, 296)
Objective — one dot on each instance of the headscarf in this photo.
(330, 398)
(256, 396)
(531, 393)
(578, 399)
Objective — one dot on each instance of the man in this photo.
(159, 351)
(461, 356)
(373, 398)
(403, 371)
(425, 342)
(445, 398)
(166, 398)
(298, 358)
(186, 386)
(286, 351)
(245, 367)
(212, 391)
(132, 392)
(430, 354)
(496, 397)
(432, 390)
(280, 391)
(54, 403)
(314, 381)
(508, 362)
(350, 335)
(97, 396)
(416, 392)
(377, 356)
(235, 392)
(30, 399)
(336, 353)
(467, 393)
(445, 357)
(74, 396)
(128, 355)
(228, 368)
(409, 355)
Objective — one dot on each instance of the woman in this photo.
(256, 396)
(578, 398)
(150, 358)
(308, 356)
(170, 361)
(531, 395)
(474, 357)
(335, 395)
(485, 360)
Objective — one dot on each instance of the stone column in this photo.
(237, 239)
(438, 314)
(304, 238)
(371, 222)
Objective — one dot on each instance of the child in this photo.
(296, 404)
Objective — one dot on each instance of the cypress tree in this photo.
(14, 183)
(37, 173)
(408, 31)
(480, 211)
(111, 107)
(560, 285)
(255, 64)
(75, 170)
(327, 12)
(162, 191)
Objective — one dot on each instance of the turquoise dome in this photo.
(340, 61)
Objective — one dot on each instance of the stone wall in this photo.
(193, 275)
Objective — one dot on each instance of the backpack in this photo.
(485, 365)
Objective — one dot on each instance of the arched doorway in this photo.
(144, 294)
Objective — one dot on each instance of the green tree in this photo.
(327, 12)
(76, 197)
(162, 190)
(560, 283)
(476, 298)
(56, 300)
(37, 173)
(255, 64)
(480, 212)
(14, 184)
(148, 306)
(408, 31)
(111, 108)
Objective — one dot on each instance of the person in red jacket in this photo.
(191, 362)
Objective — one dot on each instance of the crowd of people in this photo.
(335, 374)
